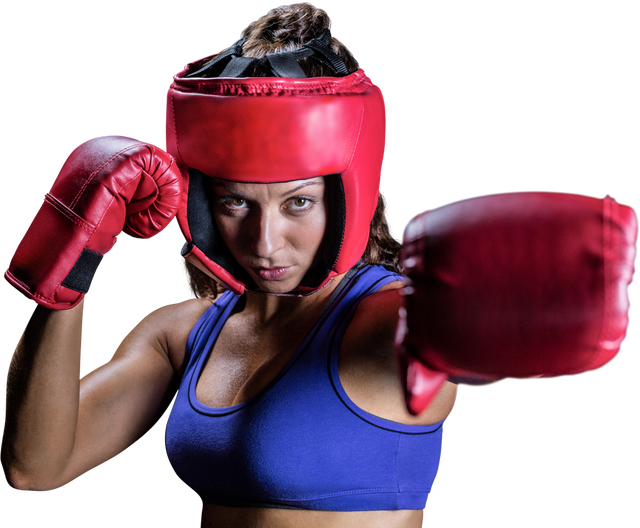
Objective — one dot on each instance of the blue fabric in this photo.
(301, 442)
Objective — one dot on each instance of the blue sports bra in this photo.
(301, 442)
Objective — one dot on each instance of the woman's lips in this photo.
(271, 273)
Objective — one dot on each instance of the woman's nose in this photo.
(267, 236)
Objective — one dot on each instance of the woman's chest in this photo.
(243, 363)
(244, 360)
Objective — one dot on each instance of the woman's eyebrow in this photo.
(244, 197)
(305, 184)
(233, 191)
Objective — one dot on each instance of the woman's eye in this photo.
(233, 202)
(299, 202)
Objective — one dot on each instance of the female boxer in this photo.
(290, 410)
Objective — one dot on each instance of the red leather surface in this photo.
(107, 185)
(518, 285)
(265, 130)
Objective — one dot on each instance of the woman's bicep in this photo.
(121, 400)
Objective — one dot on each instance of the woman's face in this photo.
(275, 230)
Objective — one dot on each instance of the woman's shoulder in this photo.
(177, 315)
(380, 308)
(368, 368)
(172, 324)
(395, 285)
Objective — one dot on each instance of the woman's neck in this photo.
(279, 309)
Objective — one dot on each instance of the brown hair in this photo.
(382, 248)
(287, 28)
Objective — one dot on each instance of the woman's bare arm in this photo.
(58, 427)
(42, 396)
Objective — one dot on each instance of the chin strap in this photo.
(231, 63)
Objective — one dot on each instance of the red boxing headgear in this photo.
(268, 130)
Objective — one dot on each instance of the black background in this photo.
(478, 100)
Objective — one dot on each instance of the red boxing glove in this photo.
(514, 285)
(107, 184)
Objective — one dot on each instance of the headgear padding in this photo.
(268, 130)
